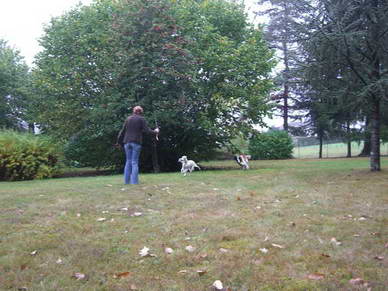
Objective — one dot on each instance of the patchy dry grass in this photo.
(298, 204)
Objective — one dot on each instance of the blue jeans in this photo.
(131, 170)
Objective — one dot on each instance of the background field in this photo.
(332, 150)
(283, 225)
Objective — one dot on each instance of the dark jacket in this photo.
(133, 130)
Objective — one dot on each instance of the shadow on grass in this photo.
(85, 173)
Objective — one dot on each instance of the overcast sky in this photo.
(22, 21)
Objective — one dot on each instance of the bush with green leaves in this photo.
(272, 145)
(25, 156)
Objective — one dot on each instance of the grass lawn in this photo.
(283, 225)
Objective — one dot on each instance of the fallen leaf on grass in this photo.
(190, 249)
(362, 218)
(182, 272)
(264, 250)
(109, 185)
(201, 272)
(357, 281)
(144, 252)
(325, 255)
(168, 250)
(278, 246)
(218, 285)
(202, 256)
(121, 275)
(105, 212)
(379, 258)
(137, 214)
(124, 209)
(79, 276)
(23, 267)
(101, 219)
(334, 241)
(59, 261)
(356, 235)
(222, 250)
(34, 253)
(316, 276)
(375, 233)
(238, 198)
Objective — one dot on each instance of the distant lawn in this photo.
(332, 150)
(283, 225)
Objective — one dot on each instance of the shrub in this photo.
(91, 149)
(24, 156)
(272, 145)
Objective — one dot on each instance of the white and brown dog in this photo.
(242, 160)
(187, 165)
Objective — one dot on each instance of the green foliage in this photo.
(272, 145)
(85, 150)
(197, 67)
(25, 156)
(13, 83)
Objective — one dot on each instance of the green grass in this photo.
(298, 204)
(332, 150)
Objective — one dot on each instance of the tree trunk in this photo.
(286, 62)
(285, 107)
(320, 145)
(349, 140)
(375, 137)
(155, 163)
(286, 76)
(375, 102)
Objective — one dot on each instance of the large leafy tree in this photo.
(233, 63)
(199, 83)
(14, 77)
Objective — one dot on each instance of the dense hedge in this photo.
(272, 145)
(25, 156)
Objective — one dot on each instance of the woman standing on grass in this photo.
(130, 136)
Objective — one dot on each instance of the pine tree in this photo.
(284, 31)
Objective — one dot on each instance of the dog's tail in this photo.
(196, 166)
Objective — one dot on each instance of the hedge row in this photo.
(25, 156)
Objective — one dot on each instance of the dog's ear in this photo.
(248, 157)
